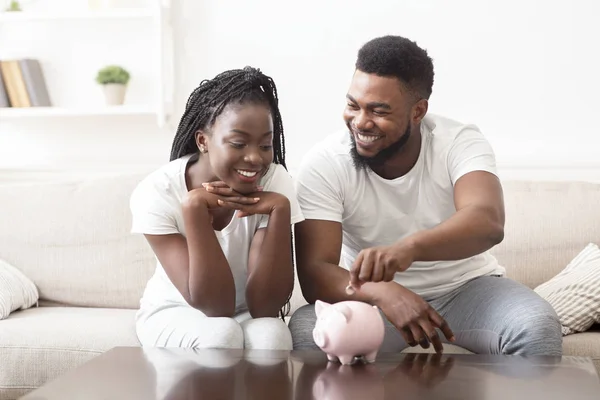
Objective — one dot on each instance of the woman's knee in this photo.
(266, 333)
(218, 333)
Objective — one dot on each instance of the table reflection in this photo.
(411, 375)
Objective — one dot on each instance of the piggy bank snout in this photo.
(320, 337)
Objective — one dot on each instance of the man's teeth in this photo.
(249, 174)
(364, 138)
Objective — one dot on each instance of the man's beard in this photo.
(383, 156)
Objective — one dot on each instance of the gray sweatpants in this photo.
(488, 315)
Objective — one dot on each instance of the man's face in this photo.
(377, 115)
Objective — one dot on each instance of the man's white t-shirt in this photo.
(375, 211)
(156, 209)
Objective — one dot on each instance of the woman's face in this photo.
(240, 145)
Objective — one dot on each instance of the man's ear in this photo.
(419, 109)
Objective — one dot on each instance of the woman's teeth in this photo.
(364, 138)
(249, 174)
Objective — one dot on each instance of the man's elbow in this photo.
(307, 285)
(496, 234)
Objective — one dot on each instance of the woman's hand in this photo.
(212, 192)
(254, 203)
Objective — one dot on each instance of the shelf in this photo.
(119, 13)
(29, 112)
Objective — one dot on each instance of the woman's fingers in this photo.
(237, 203)
(215, 184)
(221, 191)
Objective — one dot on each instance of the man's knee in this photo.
(267, 334)
(535, 332)
(301, 326)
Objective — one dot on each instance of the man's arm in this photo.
(318, 244)
(318, 249)
(477, 225)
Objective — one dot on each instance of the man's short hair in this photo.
(401, 58)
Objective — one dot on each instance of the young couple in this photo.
(402, 204)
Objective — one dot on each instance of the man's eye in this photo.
(352, 106)
(379, 113)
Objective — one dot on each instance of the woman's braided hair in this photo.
(206, 103)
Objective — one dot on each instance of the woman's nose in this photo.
(253, 158)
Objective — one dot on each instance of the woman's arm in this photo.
(270, 266)
(196, 265)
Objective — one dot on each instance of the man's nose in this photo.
(362, 122)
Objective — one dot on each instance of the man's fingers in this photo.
(442, 324)
(419, 336)
(432, 335)
(366, 267)
(408, 337)
(378, 272)
(355, 270)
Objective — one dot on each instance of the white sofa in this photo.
(72, 239)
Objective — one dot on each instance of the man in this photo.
(404, 206)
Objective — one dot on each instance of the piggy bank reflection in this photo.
(348, 329)
(343, 382)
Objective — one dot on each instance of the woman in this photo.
(218, 217)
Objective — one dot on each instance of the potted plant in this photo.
(113, 79)
(13, 6)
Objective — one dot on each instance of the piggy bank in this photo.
(348, 329)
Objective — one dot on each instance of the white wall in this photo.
(525, 71)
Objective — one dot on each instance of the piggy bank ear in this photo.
(344, 311)
(320, 306)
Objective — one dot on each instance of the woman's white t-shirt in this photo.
(156, 209)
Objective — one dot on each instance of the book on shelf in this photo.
(22, 84)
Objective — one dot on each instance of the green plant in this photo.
(112, 74)
(14, 6)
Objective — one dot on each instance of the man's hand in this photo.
(413, 317)
(381, 263)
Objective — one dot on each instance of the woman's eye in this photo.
(266, 147)
(237, 145)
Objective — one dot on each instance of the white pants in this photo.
(185, 326)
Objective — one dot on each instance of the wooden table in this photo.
(177, 374)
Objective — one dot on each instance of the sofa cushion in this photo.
(39, 344)
(575, 292)
(71, 238)
(17, 292)
(547, 225)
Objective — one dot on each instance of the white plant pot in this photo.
(114, 94)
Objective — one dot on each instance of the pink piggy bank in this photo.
(348, 329)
